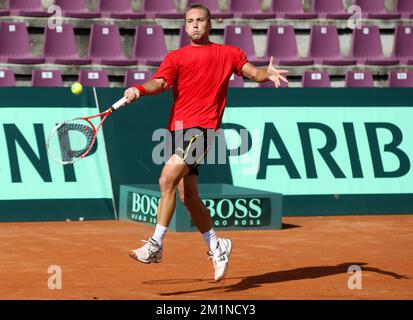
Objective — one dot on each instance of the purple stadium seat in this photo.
(405, 8)
(60, 46)
(359, 79)
(282, 45)
(47, 78)
(183, 38)
(330, 9)
(375, 9)
(119, 9)
(7, 78)
(28, 8)
(403, 44)
(76, 9)
(249, 9)
(161, 9)
(236, 81)
(105, 46)
(213, 7)
(367, 47)
(315, 79)
(291, 9)
(270, 84)
(14, 44)
(241, 36)
(4, 12)
(133, 77)
(149, 45)
(325, 47)
(401, 79)
(89, 78)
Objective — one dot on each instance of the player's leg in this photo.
(188, 193)
(172, 173)
(219, 249)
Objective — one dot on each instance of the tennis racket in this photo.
(73, 139)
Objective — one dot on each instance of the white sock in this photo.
(159, 234)
(211, 239)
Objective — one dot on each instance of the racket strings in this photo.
(71, 140)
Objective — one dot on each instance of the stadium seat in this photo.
(4, 12)
(213, 7)
(183, 37)
(47, 78)
(15, 47)
(375, 9)
(149, 45)
(105, 46)
(90, 78)
(316, 79)
(236, 81)
(325, 47)
(133, 77)
(405, 8)
(241, 36)
(291, 9)
(282, 45)
(27, 8)
(270, 84)
(60, 46)
(330, 9)
(7, 78)
(76, 9)
(359, 79)
(401, 79)
(119, 9)
(161, 9)
(367, 47)
(249, 9)
(403, 44)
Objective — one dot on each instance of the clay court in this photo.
(308, 259)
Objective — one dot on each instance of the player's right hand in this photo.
(131, 94)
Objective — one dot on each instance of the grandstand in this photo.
(113, 46)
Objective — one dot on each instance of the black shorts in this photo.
(191, 145)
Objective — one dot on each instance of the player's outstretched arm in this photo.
(150, 88)
(263, 75)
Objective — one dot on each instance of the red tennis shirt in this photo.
(199, 77)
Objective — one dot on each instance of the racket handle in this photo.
(119, 103)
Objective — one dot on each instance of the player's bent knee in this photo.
(167, 182)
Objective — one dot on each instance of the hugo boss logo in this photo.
(239, 212)
(142, 203)
(239, 208)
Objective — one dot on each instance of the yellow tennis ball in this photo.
(77, 88)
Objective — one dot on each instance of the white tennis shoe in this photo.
(220, 258)
(151, 251)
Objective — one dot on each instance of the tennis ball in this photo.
(77, 88)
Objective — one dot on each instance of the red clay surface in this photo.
(308, 259)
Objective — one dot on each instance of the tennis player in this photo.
(199, 74)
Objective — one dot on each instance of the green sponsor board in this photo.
(321, 150)
(28, 173)
(230, 207)
(329, 151)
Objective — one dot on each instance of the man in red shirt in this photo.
(199, 74)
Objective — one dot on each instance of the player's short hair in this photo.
(198, 6)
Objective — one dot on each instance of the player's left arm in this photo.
(262, 75)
